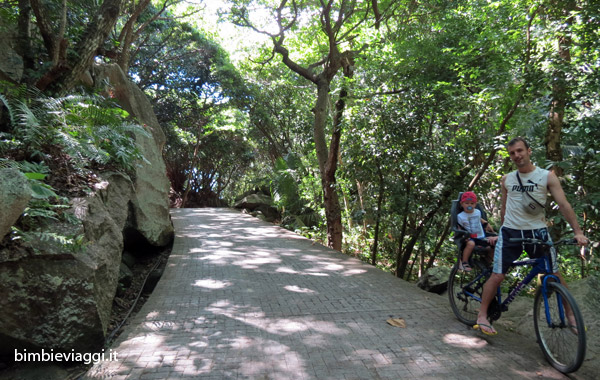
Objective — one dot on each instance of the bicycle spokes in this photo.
(559, 327)
(464, 292)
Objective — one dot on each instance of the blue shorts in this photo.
(506, 252)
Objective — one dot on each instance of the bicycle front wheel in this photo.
(464, 292)
(559, 328)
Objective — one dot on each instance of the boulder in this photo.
(15, 193)
(57, 296)
(270, 213)
(11, 64)
(150, 202)
(435, 280)
(252, 201)
(61, 299)
(586, 293)
(259, 205)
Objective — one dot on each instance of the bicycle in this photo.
(562, 343)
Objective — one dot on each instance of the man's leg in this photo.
(570, 315)
(489, 291)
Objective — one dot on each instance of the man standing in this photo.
(524, 193)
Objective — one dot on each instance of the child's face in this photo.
(468, 206)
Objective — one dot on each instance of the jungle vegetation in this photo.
(374, 114)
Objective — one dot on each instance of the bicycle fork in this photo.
(559, 301)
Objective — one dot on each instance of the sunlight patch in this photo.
(465, 341)
(297, 289)
(212, 284)
(286, 270)
(352, 272)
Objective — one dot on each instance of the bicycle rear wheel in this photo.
(464, 292)
(562, 342)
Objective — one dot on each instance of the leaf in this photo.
(38, 176)
(397, 322)
(42, 191)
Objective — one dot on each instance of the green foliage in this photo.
(92, 130)
(285, 180)
(437, 90)
(195, 91)
(72, 134)
(45, 208)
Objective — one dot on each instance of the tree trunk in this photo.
(23, 47)
(332, 63)
(403, 264)
(193, 165)
(330, 195)
(378, 216)
(560, 95)
(400, 250)
(129, 35)
(94, 36)
(438, 246)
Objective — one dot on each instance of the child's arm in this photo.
(488, 227)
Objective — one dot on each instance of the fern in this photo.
(5, 163)
(41, 213)
(72, 243)
(90, 129)
(33, 167)
(8, 106)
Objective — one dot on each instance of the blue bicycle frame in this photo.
(541, 265)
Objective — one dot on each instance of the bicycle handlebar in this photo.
(541, 242)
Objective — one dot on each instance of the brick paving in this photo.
(244, 299)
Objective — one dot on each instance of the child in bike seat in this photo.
(471, 221)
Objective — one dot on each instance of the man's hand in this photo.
(581, 239)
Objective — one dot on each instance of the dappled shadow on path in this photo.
(241, 298)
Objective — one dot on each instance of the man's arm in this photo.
(504, 193)
(565, 207)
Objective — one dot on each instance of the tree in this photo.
(66, 67)
(193, 88)
(337, 21)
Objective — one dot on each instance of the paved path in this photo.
(243, 299)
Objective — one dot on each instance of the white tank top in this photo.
(536, 184)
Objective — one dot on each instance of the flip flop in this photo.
(465, 266)
(491, 329)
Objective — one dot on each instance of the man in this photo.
(521, 222)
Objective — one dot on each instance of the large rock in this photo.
(150, 203)
(11, 64)
(15, 193)
(57, 297)
(260, 205)
(53, 298)
(435, 280)
(252, 201)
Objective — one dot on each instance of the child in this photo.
(470, 219)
